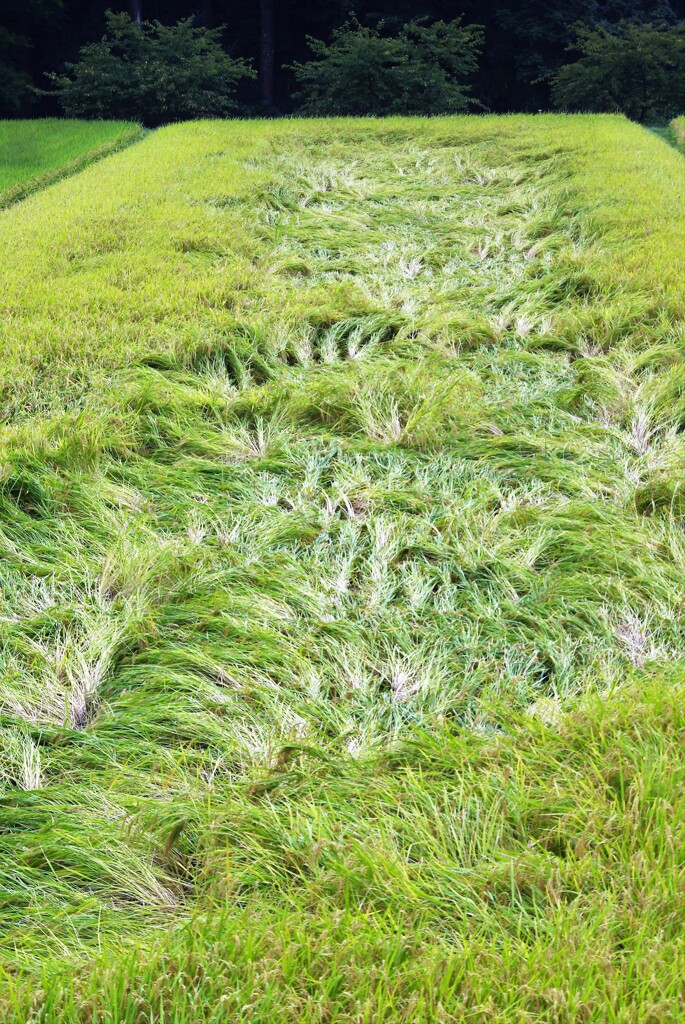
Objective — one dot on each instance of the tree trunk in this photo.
(267, 54)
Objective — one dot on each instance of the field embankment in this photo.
(342, 577)
(678, 126)
(37, 153)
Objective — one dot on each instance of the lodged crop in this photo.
(341, 576)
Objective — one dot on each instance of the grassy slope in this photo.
(309, 463)
(37, 153)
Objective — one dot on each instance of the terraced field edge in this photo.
(35, 183)
(678, 126)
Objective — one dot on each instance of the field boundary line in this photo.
(17, 193)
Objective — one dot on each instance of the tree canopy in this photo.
(151, 72)
(638, 70)
(421, 55)
(422, 69)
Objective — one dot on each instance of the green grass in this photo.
(341, 526)
(34, 154)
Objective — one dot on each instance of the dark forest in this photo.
(524, 43)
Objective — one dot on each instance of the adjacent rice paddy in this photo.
(34, 154)
(341, 588)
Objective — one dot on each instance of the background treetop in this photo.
(511, 62)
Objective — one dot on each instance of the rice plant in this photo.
(341, 580)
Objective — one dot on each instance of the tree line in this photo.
(165, 60)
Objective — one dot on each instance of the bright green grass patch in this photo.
(36, 153)
(342, 556)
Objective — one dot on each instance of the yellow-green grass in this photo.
(342, 560)
(36, 153)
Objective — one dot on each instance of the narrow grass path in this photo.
(342, 558)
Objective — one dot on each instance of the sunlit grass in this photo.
(342, 557)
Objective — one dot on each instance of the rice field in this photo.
(341, 588)
(37, 153)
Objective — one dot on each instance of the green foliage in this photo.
(525, 42)
(638, 70)
(151, 73)
(424, 69)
